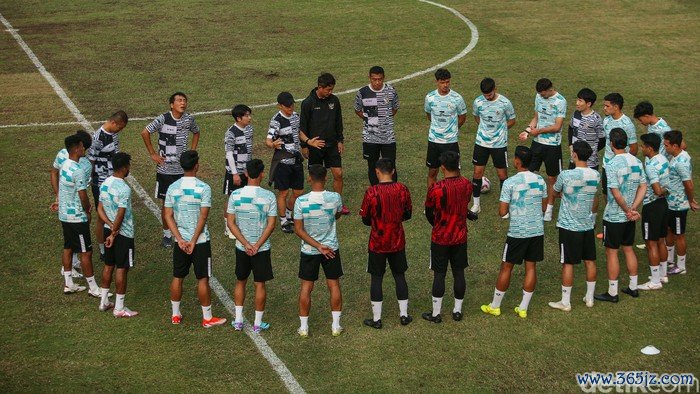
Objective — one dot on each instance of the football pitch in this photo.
(107, 56)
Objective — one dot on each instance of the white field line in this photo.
(280, 368)
(472, 43)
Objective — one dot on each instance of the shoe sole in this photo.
(565, 309)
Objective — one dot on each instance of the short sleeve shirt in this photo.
(71, 180)
(83, 162)
(656, 170)
(444, 112)
(173, 135)
(252, 206)
(286, 129)
(116, 194)
(681, 170)
(625, 173)
(318, 210)
(240, 143)
(493, 124)
(186, 197)
(548, 110)
(378, 108)
(625, 123)
(524, 193)
(659, 128)
(104, 146)
(578, 188)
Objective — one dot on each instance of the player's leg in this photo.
(432, 161)
(336, 301)
(590, 282)
(502, 284)
(121, 281)
(630, 258)
(307, 287)
(84, 246)
(399, 265)
(371, 153)
(260, 299)
(388, 151)
(529, 284)
(552, 161)
(107, 272)
(243, 269)
(124, 260)
(376, 267)
(439, 259)
(500, 161)
(680, 218)
(568, 257)
(282, 208)
(201, 261)
(262, 272)
(458, 262)
(477, 182)
(175, 297)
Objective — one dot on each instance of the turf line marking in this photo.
(280, 368)
(472, 43)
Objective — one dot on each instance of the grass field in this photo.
(108, 56)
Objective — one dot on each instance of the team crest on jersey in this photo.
(331, 105)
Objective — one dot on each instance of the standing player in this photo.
(495, 115)
(187, 204)
(612, 108)
(238, 146)
(627, 186)
(173, 130)
(577, 188)
(321, 129)
(446, 112)
(644, 113)
(115, 210)
(251, 219)
(376, 104)
(286, 170)
(446, 208)
(545, 127)
(523, 198)
(385, 206)
(315, 214)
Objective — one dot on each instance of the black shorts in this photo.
(442, 255)
(518, 250)
(432, 159)
(200, 259)
(229, 187)
(616, 234)
(550, 155)
(163, 182)
(260, 264)
(309, 266)
(76, 237)
(372, 152)
(676, 221)
(121, 253)
(328, 156)
(289, 176)
(604, 181)
(376, 262)
(95, 193)
(654, 220)
(498, 155)
(575, 246)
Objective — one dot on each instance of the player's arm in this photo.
(195, 140)
(301, 233)
(555, 128)
(103, 215)
(172, 226)
(477, 119)
(146, 135)
(408, 207)
(503, 208)
(201, 222)
(688, 187)
(54, 186)
(271, 221)
(510, 123)
(360, 114)
(236, 231)
(430, 215)
(364, 210)
(658, 190)
(461, 119)
(85, 202)
(533, 122)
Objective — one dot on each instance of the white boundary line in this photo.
(464, 52)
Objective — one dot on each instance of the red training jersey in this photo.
(386, 205)
(449, 199)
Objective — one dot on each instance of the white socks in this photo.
(671, 251)
(566, 295)
(595, 216)
(304, 323)
(403, 307)
(663, 271)
(206, 312)
(376, 310)
(76, 261)
(590, 290)
(258, 318)
(336, 319)
(93, 284)
(681, 262)
(612, 287)
(105, 296)
(68, 277)
(176, 308)
(437, 305)
(102, 248)
(288, 214)
(497, 298)
(633, 282)
(167, 234)
(458, 306)
(239, 314)
(655, 275)
(119, 304)
(526, 300)
(477, 201)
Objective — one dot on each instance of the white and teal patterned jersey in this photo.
(681, 170)
(84, 163)
(115, 194)
(71, 179)
(493, 121)
(252, 205)
(578, 188)
(186, 197)
(659, 128)
(548, 110)
(625, 173)
(657, 170)
(625, 123)
(524, 193)
(444, 112)
(318, 210)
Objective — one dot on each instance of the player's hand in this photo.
(523, 136)
(326, 252)
(278, 143)
(250, 250)
(633, 215)
(182, 244)
(341, 148)
(236, 179)
(694, 206)
(316, 142)
(54, 206)
(534, 131)
(108, 241)
(190, 246)
(157, 159)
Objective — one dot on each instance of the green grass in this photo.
(110, 56)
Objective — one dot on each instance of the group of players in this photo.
(663, 187)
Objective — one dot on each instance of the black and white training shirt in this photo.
(238, 144)
(286, 129)
(377, 107)
(173, 137)
(104, 146)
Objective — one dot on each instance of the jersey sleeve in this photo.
(57, 162)
(395, 101)
(475, 108)
(510, 111)
(543, 188)
(231, 204)
(297, 214)
(684, 171)
(124, 198)
(408, 204)
(611, 175)
(358, 101)
(559, 184)
(426, 105)
(631, 133)
(95, 148)
(272, 210)
(506, 192)
(194, 127)
(273, 130)
(80, 179)
(652, 174)
(598, 127)
(364, 210)
(461, 106)
(169, 200)
(206, 196)
(431, 197)
(229, 141)
(156, 124)
(561, 109)
(338, 203)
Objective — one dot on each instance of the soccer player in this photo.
(680, 198)
(321, 130)
(446, 112)
(385, 206)
(523, 198)
(187, 203)
(376, 104)
(238, 146)
(446, 208)
(114, 208)
(315, 215)
(577, 188)
(286, 170)
(644, 113)
(654, 209)
(105, 143)
(495, 115)
(545, 127)
(251, 219)
(612, 108)
(627, 186)
(173, 130)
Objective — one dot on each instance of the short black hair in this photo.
(189, 159)
(317, 172)
(487, 85)
(240, 110)
(85, 137)
(587, 95)
(385, 165)
(120, 160)
(325, 80)
(442, 74)
(615, 99)
(119, 117)
(543, 84)
(524, 154)
(285, 98)
(72, 141)
(450, 160)
(674, 137)
(255, 167)
(652, 140)
(643, 108)
(376, 70)
(582, 149)
(618, 138)
(172, 97)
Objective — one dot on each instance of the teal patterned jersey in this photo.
(625, 123)
(524, 193)
(84, 163)
(681, 170)
(317, 210)
(186, 197)
(71, 180)
(659, 128)
(444, 112)
(115, 194)
(548, 110)
(578, 189)
(657, 170)
(625, 173)
(252, 206)
(493, 118)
